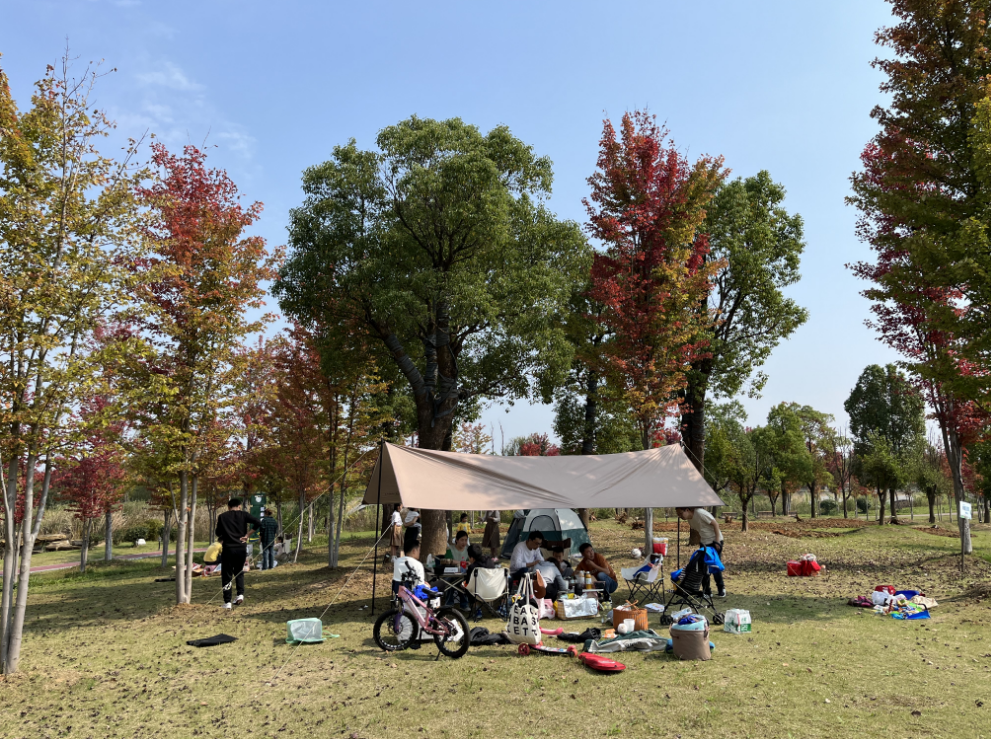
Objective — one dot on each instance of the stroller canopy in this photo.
(556, 524)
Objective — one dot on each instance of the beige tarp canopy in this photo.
(421, 478)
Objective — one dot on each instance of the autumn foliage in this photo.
(647, 207)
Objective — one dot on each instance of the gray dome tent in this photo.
(556, 524)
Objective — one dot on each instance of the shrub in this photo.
(863, 505)
(154, 529)
(132, 533)
(828, 507)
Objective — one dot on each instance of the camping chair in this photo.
(646, 580)
(489, 586)
(687, 590)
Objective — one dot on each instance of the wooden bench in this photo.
(765, 514)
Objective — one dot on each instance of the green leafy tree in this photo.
(68, 217)
(885, 404)
(439, 252)
(790, 458)
(881, 467)
(818, 434)
(757, 245)
(927, 468)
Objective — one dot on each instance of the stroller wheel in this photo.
(666, 620)
(718, 618)
(523, 650)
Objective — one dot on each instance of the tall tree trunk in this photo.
(785, 503)
(191, 538)
(278, 515)
(891, 502)
(340, 516)
(108, 544)
(987, 509)
(932, 507)
(9, 554)
(27, 548)
(309, 524)
(693, 423)
(744, 519)
(299, 527)
(84, 549)
(880, 498)
(166, 537)
(813, 499)
(182, 520)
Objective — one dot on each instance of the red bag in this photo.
(810, 567)
(794, 568)
(885, 589)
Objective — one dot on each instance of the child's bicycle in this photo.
(399, 628)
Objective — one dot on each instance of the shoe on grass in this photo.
(721, 594)
(239, 600)
(227, 606)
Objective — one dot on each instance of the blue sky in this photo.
(782, 86)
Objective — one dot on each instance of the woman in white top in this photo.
(710, 535)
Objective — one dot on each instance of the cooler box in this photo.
(661, 547)
(690, 645)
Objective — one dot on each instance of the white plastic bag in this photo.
(523, 624)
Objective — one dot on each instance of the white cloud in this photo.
(170, 76)
(239, 142)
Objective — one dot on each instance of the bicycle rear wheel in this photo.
(456, 643)
(392, 639)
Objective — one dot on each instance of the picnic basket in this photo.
(630, 610)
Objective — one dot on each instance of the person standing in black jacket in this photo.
(232, 532)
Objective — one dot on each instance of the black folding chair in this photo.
(687, 591)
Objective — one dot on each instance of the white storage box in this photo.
(737, 621)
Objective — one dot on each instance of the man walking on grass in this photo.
(266, 536)
(232, 532)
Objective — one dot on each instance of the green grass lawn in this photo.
(71, 556)
(105, 655)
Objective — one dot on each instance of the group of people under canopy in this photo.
(653, 478)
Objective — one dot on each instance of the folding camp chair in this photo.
(687, 590)
(646, 580)
(489, 586)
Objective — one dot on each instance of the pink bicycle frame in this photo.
(411, 602)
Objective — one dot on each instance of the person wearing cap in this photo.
(266, 534)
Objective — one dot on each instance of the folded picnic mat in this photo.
(212, 641)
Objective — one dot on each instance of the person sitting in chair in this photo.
(557, 557)
(599, 566)
(526, 555)
(410, 563)
(458, 551)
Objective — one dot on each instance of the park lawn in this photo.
(71, 556)
(105, 656)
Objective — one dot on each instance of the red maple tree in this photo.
(647, 206)
(91, 477)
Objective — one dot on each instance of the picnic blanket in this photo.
(645, 640)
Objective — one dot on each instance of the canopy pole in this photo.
(378, 534)
(679, 542)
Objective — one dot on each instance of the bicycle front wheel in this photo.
(392, 637)
(456, 642)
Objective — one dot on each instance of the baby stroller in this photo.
(687, 590)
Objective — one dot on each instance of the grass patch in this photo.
(105, 655)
